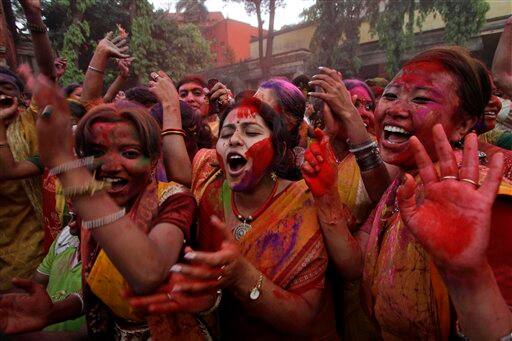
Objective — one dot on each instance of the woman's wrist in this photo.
(468, 280)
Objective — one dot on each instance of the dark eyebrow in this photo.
(246, 124)
(428, 88)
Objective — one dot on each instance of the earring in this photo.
(273, 176)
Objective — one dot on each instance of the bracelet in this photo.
(369, 160)
(362, 146)
(88, 189)
(255, 292)
(95, 69)
(4, 145)
(65, 167)
(215, 305)
(99, 222)
(37, 28)
(173, 131)
(77, 294)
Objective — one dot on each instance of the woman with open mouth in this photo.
(266, 249)
(437, 263)
(133, 228)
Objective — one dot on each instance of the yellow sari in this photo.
(21, 231)
(285, 243)
(403, 290)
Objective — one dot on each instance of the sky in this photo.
(284, 16)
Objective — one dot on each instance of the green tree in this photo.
(194, 11)
(336, 40)
(74, 37)
(394, 23)
(156, 41)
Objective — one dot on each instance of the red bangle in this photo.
(173, 131)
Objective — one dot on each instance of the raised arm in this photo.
(107, 48)
(502, 62)
(124, 71)
(176, 160)
(146, 265)
(373, 171)
(320, 173)
(40, 40)
(452, 221)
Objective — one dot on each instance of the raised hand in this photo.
(319, 169)
(113, 46)
(163, 88)
(451, 216)
(60, 67)
(20, 312)
(123, 65)
(335, 93)
(222, 94)
(55, 136)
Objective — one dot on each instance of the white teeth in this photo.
(234, 157)
(112, 180)
(395, 129)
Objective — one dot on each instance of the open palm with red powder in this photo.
(451, 216)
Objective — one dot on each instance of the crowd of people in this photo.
(313, 208)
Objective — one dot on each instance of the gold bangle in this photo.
(95, 69)
(173, 131)
(89, 189)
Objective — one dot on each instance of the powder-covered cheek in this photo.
(262, 154)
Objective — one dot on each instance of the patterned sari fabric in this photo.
(21, 232)
(490, 149)
(107, 312)
(403, 290)
(285, 243)
(352, 322)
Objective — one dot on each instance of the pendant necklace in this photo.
(245, 222)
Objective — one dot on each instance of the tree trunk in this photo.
(270, 40)
(257, 5)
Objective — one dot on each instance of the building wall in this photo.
(231, 35)
(289, 40)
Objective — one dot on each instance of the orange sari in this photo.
(285, 243)
(403, 290)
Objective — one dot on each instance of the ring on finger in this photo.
(47, 112)
(469, 181)
(449, 177)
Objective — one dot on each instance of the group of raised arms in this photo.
(318, 208)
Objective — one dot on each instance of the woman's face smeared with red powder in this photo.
(117, 146)
(421, 95)
(245, 149)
